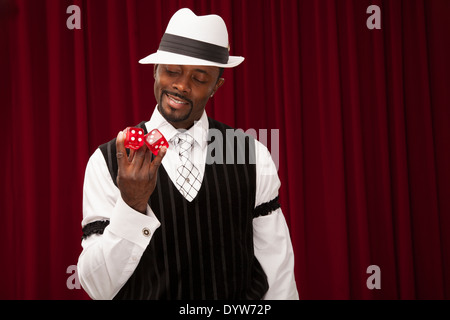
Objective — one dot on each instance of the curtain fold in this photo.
(362, 119)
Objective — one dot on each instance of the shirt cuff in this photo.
(132, 225)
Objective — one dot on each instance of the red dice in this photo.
(134, 138)
(155, 141)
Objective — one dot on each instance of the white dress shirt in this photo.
(107, 261)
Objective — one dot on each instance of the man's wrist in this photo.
(138, 206)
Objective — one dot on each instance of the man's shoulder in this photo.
(107, 146)
(227, 129)
(215, 124)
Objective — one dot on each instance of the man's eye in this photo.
(200, 81)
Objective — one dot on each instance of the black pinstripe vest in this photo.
(204, 248)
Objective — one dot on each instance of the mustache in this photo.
(174, 94)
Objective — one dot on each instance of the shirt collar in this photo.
(199, 131)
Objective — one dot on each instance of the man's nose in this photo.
(182, 84)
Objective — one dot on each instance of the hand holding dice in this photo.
(136, 175)
(155, 141)
(134, 139)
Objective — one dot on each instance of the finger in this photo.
(138, 157)
(147, 159)
(131, 155)
(121, 153)
(157, 161)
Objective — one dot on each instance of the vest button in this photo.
(146, 232)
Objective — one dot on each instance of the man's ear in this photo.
(154, 70)
(219, 83)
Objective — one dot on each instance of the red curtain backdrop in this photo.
(363, 118)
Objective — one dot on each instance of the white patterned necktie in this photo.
(187, 174)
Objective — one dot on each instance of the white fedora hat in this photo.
(194, 40)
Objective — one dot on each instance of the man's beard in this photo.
(172, 117)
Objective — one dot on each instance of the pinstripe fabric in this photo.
(204, 248)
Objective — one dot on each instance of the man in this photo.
(183, 224)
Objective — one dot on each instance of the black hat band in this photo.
(194, 48)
